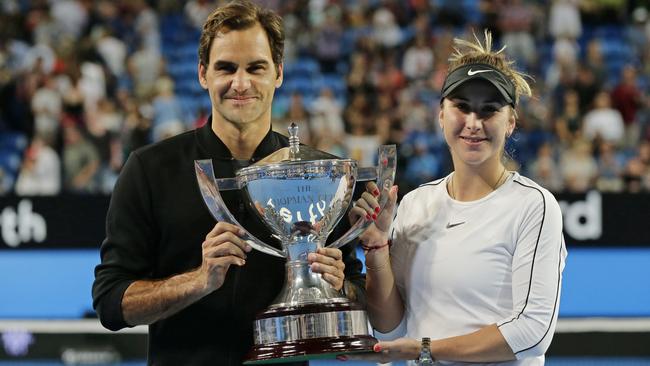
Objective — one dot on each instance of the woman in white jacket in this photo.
(473, 261)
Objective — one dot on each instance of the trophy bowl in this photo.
(301, 194)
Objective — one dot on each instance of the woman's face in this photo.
(475, 120)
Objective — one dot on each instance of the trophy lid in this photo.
(294, 152)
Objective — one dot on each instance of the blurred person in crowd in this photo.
(327, 115)
(144, 66)
(610, 168)
(328, 42)
(544, 170)
(146, 24)
(164, 262)
(423, 165)
(47, 105)
(603, 11)
(644, 67)
(603, 121)
(72, 16)
(361, 141)
(644, 158)
(638, 34)
(627, 98)
(564, 66)
(137, 128)
(112, 50)
(298, 113)
(330, 144)
(415, 113)
(388, 78)
(358, 114)
(299, 39)
(92, 84)
(45, 29)
(564, 19)
(103, 128)
(383, 124)
(637, 170)
(167, 113)
(587, 87)
(40, 173)
(39, 58)
(450, 13)
(385, 107)
(568, 125)
(636, 176)
(362, 146)
(385, 30)
(72, 93)
(418, 58)
(643, 117)
(81, 161)
(516, 24)
(15, 104)
(578, 166)
(473, 260)
(6, 183)
(197, 11)
(295, 37)
(594, 60)
(357, 78)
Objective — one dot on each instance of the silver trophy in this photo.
(301, 194)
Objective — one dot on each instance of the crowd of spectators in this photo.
(85, 82)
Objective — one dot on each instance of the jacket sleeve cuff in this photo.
(109, 308)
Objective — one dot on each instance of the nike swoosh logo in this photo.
(471, 72)
(450, 225)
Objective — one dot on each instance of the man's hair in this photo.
(481, 53)
(240, 15)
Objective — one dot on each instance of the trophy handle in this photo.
(385, 175)
(209, 187)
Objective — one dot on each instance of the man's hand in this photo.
(222, 248)
(328, 262)
(147, 301)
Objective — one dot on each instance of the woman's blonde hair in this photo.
(467, 52)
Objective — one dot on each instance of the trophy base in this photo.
(308, 349)
(307, 332)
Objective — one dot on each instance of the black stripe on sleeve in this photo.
(557, 293)
(532, 267)
(532, 270)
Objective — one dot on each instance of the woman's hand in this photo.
(367, 206)
(384, 352)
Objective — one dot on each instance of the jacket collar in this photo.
(216, 149)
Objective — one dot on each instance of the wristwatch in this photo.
(425, 353)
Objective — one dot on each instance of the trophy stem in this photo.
(302, 286)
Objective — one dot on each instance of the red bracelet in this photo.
(367, 248)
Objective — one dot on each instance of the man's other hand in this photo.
(328, 262)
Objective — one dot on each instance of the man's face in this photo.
(241, 77)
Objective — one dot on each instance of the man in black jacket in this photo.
(164, 262)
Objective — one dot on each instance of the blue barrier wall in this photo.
(611, 282)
